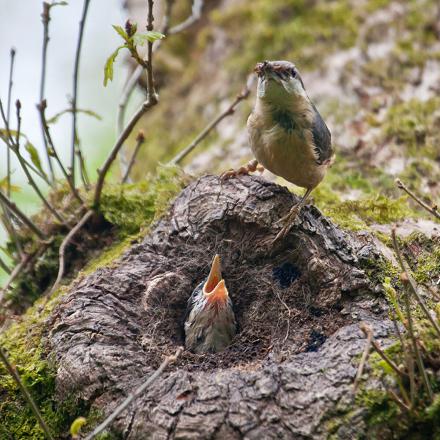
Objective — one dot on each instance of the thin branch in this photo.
(8, 224)
(151, 92)
(409, 363)
(417, 353)
(62, 250)
(431, 209)
(42, 110)
(229, 111)
(31, 402)
(102, 172)
(132, 396)
(23, 217)
(408, 280)
(368, 332)
(363, 361)
(8, 139)
(75, 148)
(31, 182)
(140, 139)
(136, 74)
(196, 13)
(18, 113)
(28, 164)
(8, 114)
(152, 100)
(399, 402)
(45, 18)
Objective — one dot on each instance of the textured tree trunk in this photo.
(298, 304)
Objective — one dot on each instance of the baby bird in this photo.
(210, 321)
(286, 133)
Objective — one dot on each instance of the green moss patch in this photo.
(23, 344)
(130, 207)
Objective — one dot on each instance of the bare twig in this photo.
(152, 100)
(31, 402)
(134, 395)
(363, 361)
(369, 334)
(102, 172)
(62, 250)
(42, 110)
(399, 402)
(23, 217)
(140, 139)
(417, 354)
(407, 284)
(45, 18)
(32, 182)
(75, 148)
(431, 209)
(27, 260)
(408, 280)
(8, 114)
(10, 228)
(196, 13)
(136, 74)
(18, 113)
(229, 111)
(409, 363)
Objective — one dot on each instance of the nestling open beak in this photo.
(215, 289)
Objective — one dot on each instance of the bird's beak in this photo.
(215, 288)
(219, 295)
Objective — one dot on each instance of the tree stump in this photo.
(298, 305)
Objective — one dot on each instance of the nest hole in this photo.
(274, 303)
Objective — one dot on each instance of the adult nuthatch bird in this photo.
(286, 132)
(210, 321)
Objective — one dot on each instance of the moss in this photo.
(360, 213)
(24, 346)
(414, 124)
(317, 28)
(129, 207)
(423, 255)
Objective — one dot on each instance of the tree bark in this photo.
(298, 304)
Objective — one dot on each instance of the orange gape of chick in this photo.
(210, 321)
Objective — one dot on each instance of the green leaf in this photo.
(121, 32)
(76, 426)
(55, 117)
(141, 39)
(108, 68)
(4, 133)
(4, 185)
(35, 158)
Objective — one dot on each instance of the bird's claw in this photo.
(244, 170)
(288, 221)
(233, 173)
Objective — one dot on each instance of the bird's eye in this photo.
(293, 73)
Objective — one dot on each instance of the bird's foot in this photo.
(250, 167)
(288, 221)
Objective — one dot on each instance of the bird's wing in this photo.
(321, 138)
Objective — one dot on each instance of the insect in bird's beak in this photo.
(261, 69)
(215, 289)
